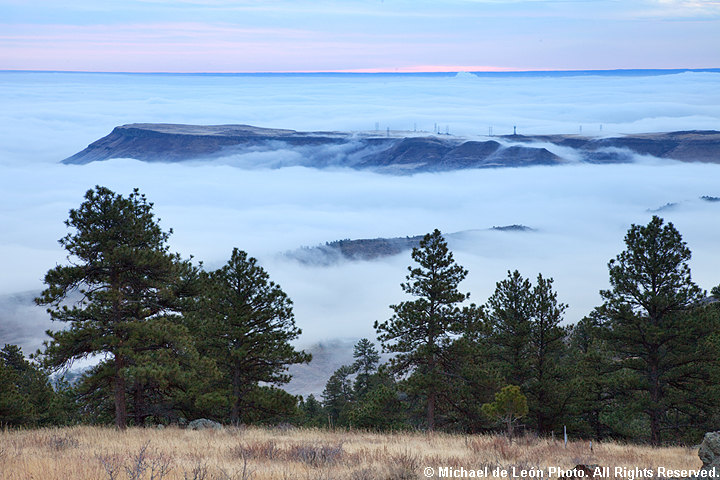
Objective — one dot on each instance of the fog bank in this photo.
(580, 213)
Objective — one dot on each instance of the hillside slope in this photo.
(387, 152)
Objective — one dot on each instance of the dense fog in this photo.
(579, 212)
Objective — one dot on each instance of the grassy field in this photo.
(92, 453)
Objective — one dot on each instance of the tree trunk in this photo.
(655, 408)
(431, 411)
(235, 413)
(432, 367)
(120, 407)
(138, 404)
(595, 419)
(654, 428)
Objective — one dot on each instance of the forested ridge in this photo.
(172, 341)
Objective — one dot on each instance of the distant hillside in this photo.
(328, 356)
(372, 248)
(386, 152)
(22, 322)
(691, 145)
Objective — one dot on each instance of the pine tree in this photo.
(509, 318)
(26, 395)
(381, 408)
(366, 362)
(471, 380)
(312, 411)
(548, 397)
(715, 293)
(246, 324)
(124, 278)
(526, 343)
(593, 381)
(338, 395)
(269, 405)
(160, 375)
(650, 326)
(421, 330)
(14, 408)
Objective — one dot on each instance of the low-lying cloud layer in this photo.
(49, 116)
(580, 212)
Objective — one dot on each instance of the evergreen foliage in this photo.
(171, 341)
(472, 379)
(595, 384)
(366, 363)
(118, 295)
(26, 396)
(371, 401)
(312, 412)
(245, 325)
(421, 331)
(546, 385)
(381, 409)
(509, 312)
(527, 345)
(656, 327)
(338, 396)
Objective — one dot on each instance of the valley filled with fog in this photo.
(579, 213)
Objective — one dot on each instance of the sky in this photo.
(357, 35)
(580, 212)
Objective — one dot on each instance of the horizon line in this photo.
(409, 71)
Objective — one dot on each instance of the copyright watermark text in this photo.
(575, 473)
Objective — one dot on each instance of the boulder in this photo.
(709, 451)
(204, 424)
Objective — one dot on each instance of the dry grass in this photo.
(92, 453)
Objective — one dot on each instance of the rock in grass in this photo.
(204, 424)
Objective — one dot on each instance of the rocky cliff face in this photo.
(398, 152)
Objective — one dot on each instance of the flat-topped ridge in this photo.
(389, 151)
